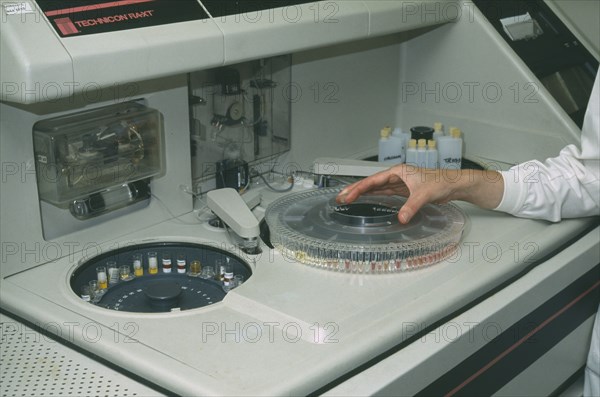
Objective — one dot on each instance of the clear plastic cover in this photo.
(90, 151)
(365, 236)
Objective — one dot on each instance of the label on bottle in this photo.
(450, 162)
(180, 265)
(387, 158)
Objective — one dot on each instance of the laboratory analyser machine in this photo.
(168, 215)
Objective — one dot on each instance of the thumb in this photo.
(410, 208)
(405, 215)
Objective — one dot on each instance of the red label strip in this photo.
(66, 26)
(95, 7)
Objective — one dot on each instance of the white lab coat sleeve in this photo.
(566, 186)
(591, 385)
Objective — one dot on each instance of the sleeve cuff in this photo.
(514, 193)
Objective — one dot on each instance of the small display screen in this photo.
(80, 17)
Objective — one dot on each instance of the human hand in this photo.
(423, 186)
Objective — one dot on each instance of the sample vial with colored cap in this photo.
(411, 153)
(421, 153)
(438, 130)
(432, 155)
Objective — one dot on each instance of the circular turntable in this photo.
(362, 237)
(185, 276)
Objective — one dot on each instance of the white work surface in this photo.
(290, 329)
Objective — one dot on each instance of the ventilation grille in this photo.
(33, 364)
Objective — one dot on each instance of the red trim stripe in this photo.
(521, 341)
(93, 7)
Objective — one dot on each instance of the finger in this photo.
(391, 191)
(391, 188)
(344, 192)
(374, 182)
(413, 204)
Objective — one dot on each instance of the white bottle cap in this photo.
(397, 131)
(455, 132)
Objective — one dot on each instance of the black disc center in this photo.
(364, 214)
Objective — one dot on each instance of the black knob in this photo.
(163, 295)
(421, 133)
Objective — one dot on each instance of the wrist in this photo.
(482, 188)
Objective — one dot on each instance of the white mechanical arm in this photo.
(228, 205)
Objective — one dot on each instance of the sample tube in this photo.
(227, 276)
(138, 269)
(166, 263)
(102, 277)
(181, 263)
(95, 292)
(152, 263)
(86, 295)
(219, 269)
(208, 273)
(125, 273)
(195, 268)
(113, 272)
